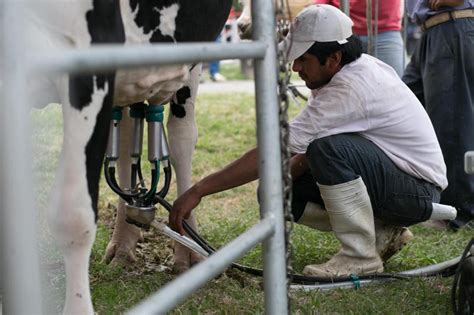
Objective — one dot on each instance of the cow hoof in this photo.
(122, 247)
(196, 258)
(185, 259)
(183, 266)
(179, 267)
(117, 255)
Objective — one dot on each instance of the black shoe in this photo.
(460, 221)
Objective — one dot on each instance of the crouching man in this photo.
(366, 160)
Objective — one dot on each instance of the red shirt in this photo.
(389, 17)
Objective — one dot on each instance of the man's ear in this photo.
(334, 60)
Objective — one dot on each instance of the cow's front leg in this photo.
(73, 211)
(182, 135)
(122, 246)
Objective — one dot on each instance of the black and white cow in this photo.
(87, 105)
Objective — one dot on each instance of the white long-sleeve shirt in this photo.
(368, 98)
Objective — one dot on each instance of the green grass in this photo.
(226, 125)
(231, 71)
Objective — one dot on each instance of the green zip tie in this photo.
(355, 280)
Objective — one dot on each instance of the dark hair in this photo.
(350, 51)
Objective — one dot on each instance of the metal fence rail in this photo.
(110, 57)
(270, 229)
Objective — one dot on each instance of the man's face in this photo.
(311, 71)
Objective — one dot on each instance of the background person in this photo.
(363, 147)
(388, 20)
(214, 67)
(441, 74)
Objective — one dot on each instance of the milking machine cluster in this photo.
(140, 200)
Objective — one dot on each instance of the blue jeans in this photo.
(396, 197)
(441, 74)
(214, 66)
(388, 48)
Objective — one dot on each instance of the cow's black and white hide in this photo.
(87, 103)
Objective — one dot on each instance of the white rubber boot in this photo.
(314, 216)
(390, 239)
(352, 220)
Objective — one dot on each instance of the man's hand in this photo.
(182, 208)
(436, 4)
(239, 172)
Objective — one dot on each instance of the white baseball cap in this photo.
(316, 23)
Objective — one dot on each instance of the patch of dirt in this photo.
(154, 253)
(244, 280)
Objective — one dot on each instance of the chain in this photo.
(283, 81)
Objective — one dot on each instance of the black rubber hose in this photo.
(296, 278)
(166, 186)
(140, 174)
(457, 275)
(149, 197)
(133, 177)
(109, 173)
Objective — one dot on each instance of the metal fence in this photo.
(19, 261)
(20, 266)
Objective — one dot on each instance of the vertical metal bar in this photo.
(20, 272)
(345, 7)
(405, 31)
(368, 16)
(2, 131)
(268, 135)
(376, 27)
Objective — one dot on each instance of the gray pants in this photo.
(397, 198)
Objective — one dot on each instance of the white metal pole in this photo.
(268, 137)
(110, 57)
(20, 268)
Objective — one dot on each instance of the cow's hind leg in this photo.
(73, 212)
(182, 134)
